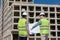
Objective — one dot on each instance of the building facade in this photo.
(0, 24)
(12, 12)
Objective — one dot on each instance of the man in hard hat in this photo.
(22, 29)
(44, 26)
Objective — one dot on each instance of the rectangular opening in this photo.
(17, 0)
(38, 8)
(23, 0)
(11, 0)
(16, 20)
(37, 20)
(52, 21)
(31, 38)
(58, 15)
(16, 13)
(58, 33)
(58, 38)
(31, 35)
(10, 3)
(52, 15)
(53, 38)
(38, 38)
(31, 8)
(31, 14)
(46, 14)
(15, 26)
(52, 9)
(52, 27)
(45, 8)
(16, 7)
(53, 33)
(37, 14)
(38, 34)
(30, 0)
(15, 36)
(31, 20)
(58, 27)
(58, 9)
(24, 7)
(58, 21)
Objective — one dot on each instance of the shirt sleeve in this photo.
(38, 23)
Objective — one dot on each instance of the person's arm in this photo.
(38, 23)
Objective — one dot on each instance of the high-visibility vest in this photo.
(44, 27)
(22, 27)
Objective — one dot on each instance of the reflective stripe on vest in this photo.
(44, 28)
(22, 29)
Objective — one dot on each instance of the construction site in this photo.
(11, 13)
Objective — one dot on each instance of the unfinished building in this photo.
(12, 12)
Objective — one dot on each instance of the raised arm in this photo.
(38, 23)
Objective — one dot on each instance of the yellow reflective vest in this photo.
(22, 27)
(44, 27)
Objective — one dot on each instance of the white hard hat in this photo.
(24, 13)
(23, 10)
(42, 13)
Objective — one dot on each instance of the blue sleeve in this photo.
(38, 23)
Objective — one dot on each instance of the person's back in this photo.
(22, 27)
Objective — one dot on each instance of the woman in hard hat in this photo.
(44, 26)
(22, 29)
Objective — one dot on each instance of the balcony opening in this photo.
(30, 0)
(58, 9)
(17, 0)
(37, 20)
(58, 38)
(38, 38)
(45, 8)
(23, 0)
(31, 38)
(58, 21)
(53, 33)
(52, 9)
(37, 14)
(15, 36)
(31, 20)
(58, 27)
(52, 27)
(58, 15)
(15, 26)
(52, 21)
(16, 20)
(31, 8)
(53, 38)
(38, 8)
(46, 14)
(11, 0)
(52, 15)
(58, 34)
(16, 7)
(31, 14)
(10, 3)
(24, 7)
(16, 13)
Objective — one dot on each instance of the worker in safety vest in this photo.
(44, 26)
(22, 29)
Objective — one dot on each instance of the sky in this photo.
(45, 2)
